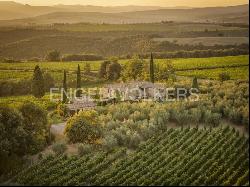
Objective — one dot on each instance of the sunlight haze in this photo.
(165, 3)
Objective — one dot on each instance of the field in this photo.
(16, 101)
(207, 41)
(152, 27)
(238, 73)
(176, 157)
(237, 66)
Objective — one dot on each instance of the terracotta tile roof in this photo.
(79, 105)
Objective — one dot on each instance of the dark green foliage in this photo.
(53, 56)
(78, 82)
(21, 132)
(38, 87)
(110, 70)
(36, 125)
(114, 71)
(152, 76)
(103, 69)
(198, 53)
(64, 87)
(12, 133)
(195, 83)
(10, 88)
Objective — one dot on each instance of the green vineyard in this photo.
(236, 66)
(188, 156)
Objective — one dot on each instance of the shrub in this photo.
(224, 76)
(212, 118)
(9, 88)
(84, 149)
(59, 148)
(83, 127)
(109, 142)
(40, 156)
(134, 140)
(53, 56)
(195, 115)
(137, 116)
(63, 110)
(235, 115)
(182, 117)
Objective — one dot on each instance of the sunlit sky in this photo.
(165, 3)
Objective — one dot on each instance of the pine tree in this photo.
(38, 87)
(64, 87)
(152, 78)
(78, 81)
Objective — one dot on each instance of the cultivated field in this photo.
(207, 41)
(237, 73)
(236, 66)
(175, 157)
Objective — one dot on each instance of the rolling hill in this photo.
(12, 10)
(237, 14)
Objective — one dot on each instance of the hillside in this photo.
(175, 158)
(12, 10)
(213, 14)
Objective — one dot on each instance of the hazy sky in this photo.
(166, 3)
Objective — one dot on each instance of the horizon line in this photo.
(77, 4)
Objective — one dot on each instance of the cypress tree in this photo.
(195, 83)
(64, 87)
(38, 87)
(152, 78)
(78, 81)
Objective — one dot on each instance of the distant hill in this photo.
(12, 10)
(238, 14)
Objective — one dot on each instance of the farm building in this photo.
(77, 105)
(135, 90)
